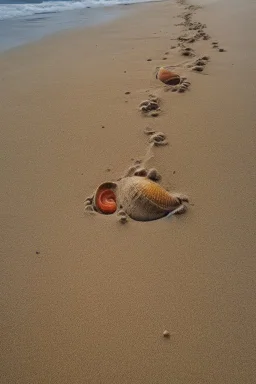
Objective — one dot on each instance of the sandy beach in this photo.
(86, 299)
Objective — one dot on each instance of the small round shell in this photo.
(167, 76)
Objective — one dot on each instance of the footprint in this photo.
(186, 51)
(150, 106)
(200, 62)
(138, 170)
(188, 37)
(196, 25)
(205, 57)
(179, 88)
(197, 68)
(156, 138)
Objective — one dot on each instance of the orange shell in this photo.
(136, 188)
(106, 201)
(156, 194)
(167, 76)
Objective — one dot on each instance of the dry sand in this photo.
(84, 298)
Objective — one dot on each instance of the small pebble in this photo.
(166, 334)
(149, 59)
(37, 252)
(221, 50)
(103, 126)
(122, 217)
(127, 93)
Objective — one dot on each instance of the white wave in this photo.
(9, 11)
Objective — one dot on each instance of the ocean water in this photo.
(24, 21)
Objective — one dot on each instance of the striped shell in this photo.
(168, 77)
(140, 198)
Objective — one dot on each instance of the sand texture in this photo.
(87, 298)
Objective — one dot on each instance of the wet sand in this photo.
(84, 298)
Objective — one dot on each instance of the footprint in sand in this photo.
(195, 29)
(157, 139)
(199, 64)
(192, 36)
(186, 51)
(150, 107)
(187, 37)
(196, 25)
(137, 170)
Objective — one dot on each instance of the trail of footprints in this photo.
(192, 32)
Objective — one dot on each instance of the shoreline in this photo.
(40, 27)
(85, 298)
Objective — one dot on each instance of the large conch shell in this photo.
(140, 198)
(167, 76)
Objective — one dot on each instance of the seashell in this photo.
(105, 198)
(168, 77)
(140, 198)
